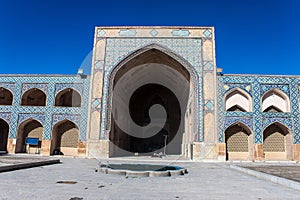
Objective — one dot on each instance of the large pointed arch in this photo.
(154, 54)
(275, 100)
(238, 100)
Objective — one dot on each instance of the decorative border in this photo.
(267, 121)
(248, 121)
(28, 86)
(60, 117)
(36, 116)
(6, 116)
(9, 86)
(267, 87)
(75, 86)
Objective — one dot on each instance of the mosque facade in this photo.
(207, 114)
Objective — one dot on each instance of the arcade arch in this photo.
(28, 128)
(239, 142)
(65, 136)
(33, 97)
(68, 98)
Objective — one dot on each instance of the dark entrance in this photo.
(139, 105)
(4, 129)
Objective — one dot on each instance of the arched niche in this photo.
(238, 100)
(6, 97)
(275, 101)
(68, 98)
(34, 97)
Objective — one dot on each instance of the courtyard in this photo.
(75, 178)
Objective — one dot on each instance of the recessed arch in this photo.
(28, 128)
(34, 97)
(275, 100)
(277, 142)
(238, 100)
(194, 79)
(4, 131)
(68, 97)
(6, 97)
(239, 142)
(65, 138)
(152, 53)
(149, 59)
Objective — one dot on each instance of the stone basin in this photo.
(142, 170)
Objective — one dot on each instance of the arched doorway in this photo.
(4, 130)
(239, 142)
(277, 142)
(34, 97)
(68, 98)
(6, 97)
(28, 128)
(64, 138)
(149, 79)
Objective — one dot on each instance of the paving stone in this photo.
(204, 181)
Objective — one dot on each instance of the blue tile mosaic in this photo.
(209, 105)
(51, 85)
(208, 65)
(127, 32)
(9, 86)
(267, 87)
(267, 121)
(96, 104)
(101, 33)
(6, 116)
(181, 33)
(153, 32)
(28, 86)
(98, 65)
(257, 86)
(76, 86)
(25, 116)
(229, 121)
(207, 33)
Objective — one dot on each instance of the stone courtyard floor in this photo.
(75, 178)
(288, 171)
(15, 162)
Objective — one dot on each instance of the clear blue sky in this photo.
(55, 36)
